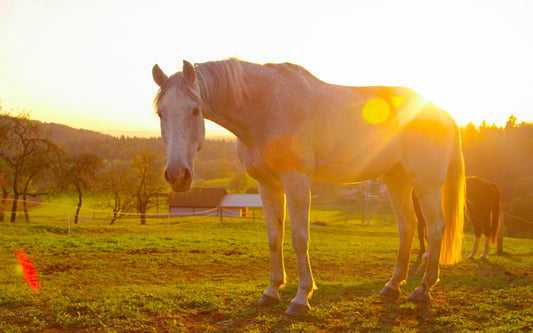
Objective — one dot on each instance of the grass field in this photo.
(198, 274)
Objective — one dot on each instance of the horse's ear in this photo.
(188, 71)
(160, 78)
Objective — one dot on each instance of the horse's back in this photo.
(480, 191)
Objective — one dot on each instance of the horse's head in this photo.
(179, 107)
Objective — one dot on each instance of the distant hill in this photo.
(217, 159)
(65, 134)
(113, 147)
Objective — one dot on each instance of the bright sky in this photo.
(88, 63)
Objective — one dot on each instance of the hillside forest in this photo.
(126, 173)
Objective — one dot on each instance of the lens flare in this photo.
(376, 111)
(28, 271)
(283, 153)
(397, 101)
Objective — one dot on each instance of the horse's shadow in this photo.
(417, 268)
(490, 268)
(394, 311)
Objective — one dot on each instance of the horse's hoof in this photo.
(296, 309)
(389, 292)
(420, 295)
(268, 300)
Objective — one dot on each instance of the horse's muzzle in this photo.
(179, 181)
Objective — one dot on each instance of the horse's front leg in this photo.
(298, 188)
(487, 248)
(273, 199)
(475, 247)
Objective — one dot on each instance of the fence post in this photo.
(68, 220)
(500, 236)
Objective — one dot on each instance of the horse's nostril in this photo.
(181, 176)
(186, 174)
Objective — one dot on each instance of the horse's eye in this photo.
(195, 111)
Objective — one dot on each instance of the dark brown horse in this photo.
(483, 207)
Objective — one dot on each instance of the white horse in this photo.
(293, 129)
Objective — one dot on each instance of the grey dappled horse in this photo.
(293, 129)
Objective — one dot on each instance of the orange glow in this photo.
(283, 153)
(28, 271)
(433, 129)
(376, 111)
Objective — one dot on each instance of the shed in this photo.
(212, 202)
(234, 204)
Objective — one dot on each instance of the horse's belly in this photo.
(357, 170)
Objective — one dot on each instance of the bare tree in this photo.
(25, 151)
(115, 188)
(5, 193)
(147, 172)
(77, 173)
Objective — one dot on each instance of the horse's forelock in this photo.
(173, 82)
(162, 91)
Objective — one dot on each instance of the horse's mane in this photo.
(224, 81)
(292, 70)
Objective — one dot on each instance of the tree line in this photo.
(504, 155)
(125, 173)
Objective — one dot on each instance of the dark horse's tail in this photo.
(496, 219)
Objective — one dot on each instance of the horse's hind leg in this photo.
(476, 220)
(421, 228)
(430, 204)
(402, 204)
(273, 199)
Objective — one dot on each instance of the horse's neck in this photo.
(229, 119)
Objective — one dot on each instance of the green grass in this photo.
(198, 274)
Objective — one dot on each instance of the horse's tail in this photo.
(453, 204)
(496, 220)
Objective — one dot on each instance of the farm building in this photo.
(212, 202)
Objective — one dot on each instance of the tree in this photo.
(5, 194)
(26, 152)
(78, 172)
(147, 170)
(511, 122)
(238, 182)
(115, 188)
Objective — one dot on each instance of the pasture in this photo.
(198, 274)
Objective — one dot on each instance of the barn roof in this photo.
(213, 197)
(197, 197)
(241, 200)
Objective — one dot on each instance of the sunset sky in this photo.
(88, 64)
